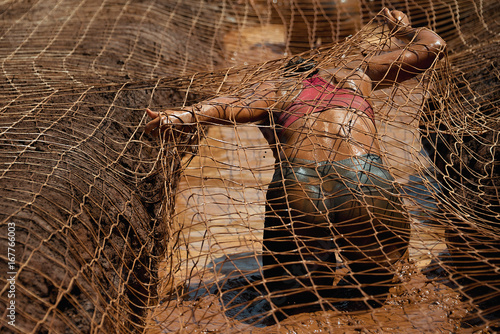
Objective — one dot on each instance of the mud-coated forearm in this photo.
(250, 107)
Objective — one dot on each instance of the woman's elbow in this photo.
(439, 47)
(435, 43)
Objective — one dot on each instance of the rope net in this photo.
(106, 229)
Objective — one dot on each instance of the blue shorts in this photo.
(315, 209)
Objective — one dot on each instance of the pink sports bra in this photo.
(319, 95)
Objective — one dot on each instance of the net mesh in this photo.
(105, 229)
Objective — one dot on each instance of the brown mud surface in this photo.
(420, 304)
(76, 175)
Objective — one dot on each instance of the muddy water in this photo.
(219, 219)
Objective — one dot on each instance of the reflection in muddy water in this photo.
(418, 305)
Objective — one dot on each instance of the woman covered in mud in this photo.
(331, 190)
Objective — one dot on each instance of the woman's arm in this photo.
(422, 48)
(253, 105)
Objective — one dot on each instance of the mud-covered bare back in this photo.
(331, 135)
(335, 133)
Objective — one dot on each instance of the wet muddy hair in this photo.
(298, 65)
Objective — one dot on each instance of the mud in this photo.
(77, 179)
(419, 304)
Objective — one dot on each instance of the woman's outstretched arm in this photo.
(253, 105)
(420, 49)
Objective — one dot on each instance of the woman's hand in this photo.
(420, 49)
(398, 22)
(161, 121)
